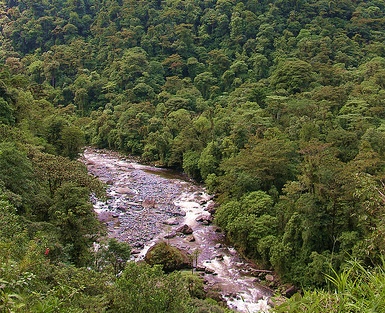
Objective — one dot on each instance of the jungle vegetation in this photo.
(278, 107)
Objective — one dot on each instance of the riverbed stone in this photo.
(209, 271)
(290, 291)
(170, 235)
(204, 219)
(211, 208)
(171, 221)
(219, 257)
(124, 190)
(178, 213)
(169, 256)
(185, 229)
(190, 238)
(138, 244)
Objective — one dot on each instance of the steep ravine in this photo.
(146, 203)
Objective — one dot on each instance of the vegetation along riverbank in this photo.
(276, 107)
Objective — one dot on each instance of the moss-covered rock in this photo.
(170, 257)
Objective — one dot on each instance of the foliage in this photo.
(171, 258)
(276, 105)
(355, 289)
(147, 289)
(111, 252)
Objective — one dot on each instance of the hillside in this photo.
(278, 107)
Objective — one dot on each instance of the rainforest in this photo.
(276, 107)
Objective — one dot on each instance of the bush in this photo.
(171, 258)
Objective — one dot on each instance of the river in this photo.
(144, 204)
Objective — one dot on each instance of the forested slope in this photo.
(277, 106)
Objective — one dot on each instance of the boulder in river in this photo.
(211, 207)
(219, 257)
(169, 256)
(185, 229)
(204, 219)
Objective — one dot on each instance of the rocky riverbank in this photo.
(146, 204)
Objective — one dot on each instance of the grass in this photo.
(356, 289)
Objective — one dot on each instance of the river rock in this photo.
(219, 257)
(122, 207)
(179, 213)
(105, 216)
(204, 219)
(269, 277)
(289, 292)
(123, 190)
(149, 203)
(271, 303)
(211, 208)
(190, 238)
(203, 201)
(171, 221)
(138, 245)
(170, 235)
(185, 229)
(172, 258)
(209, 271)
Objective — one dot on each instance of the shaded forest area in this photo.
(277, 106)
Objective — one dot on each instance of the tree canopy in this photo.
(276, 106)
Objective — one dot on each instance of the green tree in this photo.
(293, 75)
(117, 254)
(15, 168)
(204, 82)
(74, 216)
(72, 140)
(142, 288)
(262, 164)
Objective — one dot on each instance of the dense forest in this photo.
(278, 107)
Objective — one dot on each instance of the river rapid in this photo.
(145, 204)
